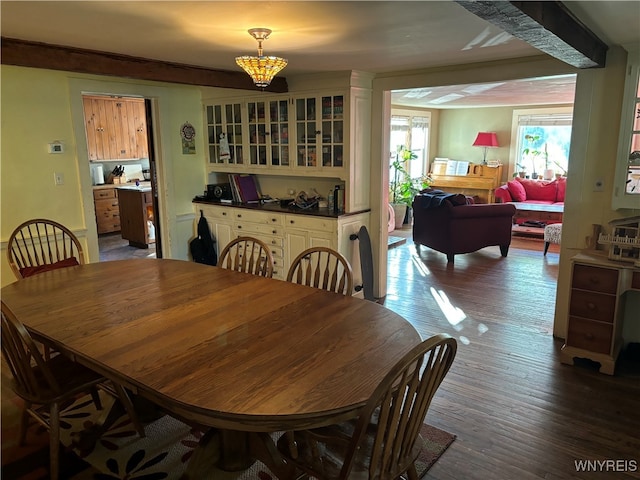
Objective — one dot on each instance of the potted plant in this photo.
(522, 170)
(403, 188)
(531, 152)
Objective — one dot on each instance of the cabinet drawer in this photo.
(246, 228)
(596, 279)
(148, 197)
(311, 223)
(108, 205)
(258, 217)
(104, 193)
(223, 213)
(595, 306)
(589, 335)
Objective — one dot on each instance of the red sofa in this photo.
(448, 224)
(532, 191)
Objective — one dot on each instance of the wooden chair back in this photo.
(384, 442)
(249, 255)
(33, 378)
(324, 268)
(39, 244)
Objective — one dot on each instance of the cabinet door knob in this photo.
(274, 231)
(239, 215)
(224, 214)
(239, 227)
(291, 221)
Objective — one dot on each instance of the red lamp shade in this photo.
(486, 139)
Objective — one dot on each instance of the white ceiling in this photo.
(378, 36)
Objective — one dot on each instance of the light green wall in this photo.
(459, 127)
(40, 106)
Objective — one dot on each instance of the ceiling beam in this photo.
(547, 26)
(56, 57)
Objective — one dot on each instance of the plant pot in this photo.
(548, 174)
(399, 210)
(522, 174)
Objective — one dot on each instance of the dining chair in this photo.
(39, 245)
(44, 385)
(324, 268)
(249, 255)
(384, 441)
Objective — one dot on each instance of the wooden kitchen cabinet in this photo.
(596, 305)
(116, 128)
(107, 209)
(136, 216)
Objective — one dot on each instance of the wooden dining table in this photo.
(221, 348)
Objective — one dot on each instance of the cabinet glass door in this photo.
(279, 132)
(332, 131)
(224, 128)
(257, 133)
(306, 132)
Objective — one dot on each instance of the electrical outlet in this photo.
(598, 185)
(58, 178)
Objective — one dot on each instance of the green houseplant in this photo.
(403, 188)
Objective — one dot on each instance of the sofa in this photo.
(541, 192)
(535, 200)
(452, 224)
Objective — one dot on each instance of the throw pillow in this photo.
(517, 191)
(539, 190)
(562, 188)
(29, 271)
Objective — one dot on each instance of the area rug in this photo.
(163, 454)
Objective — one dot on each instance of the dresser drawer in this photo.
(258, 217)
(311, 223)
(104, 193)
(247, 228)
(106, 205)
(589, 335)
(595, 279)
(595, 306)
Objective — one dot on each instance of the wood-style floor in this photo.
(517, 411)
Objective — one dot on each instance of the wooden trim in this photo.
(57, 57)
(547, 26)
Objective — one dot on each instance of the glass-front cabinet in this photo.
(320, 131)
(225, 133)
(626, 192)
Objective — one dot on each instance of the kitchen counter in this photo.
(130, 186)
(275, 207)
(134, 187)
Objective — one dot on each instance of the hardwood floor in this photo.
(517, 411)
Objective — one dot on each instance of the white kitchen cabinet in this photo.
(321, 130)
(287, 234)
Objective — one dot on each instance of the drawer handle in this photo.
(591, 306)
(274, 231)
(273, 220)
(239, 215)
(273, 242)
(224, 214)
(589, 336)
(291, 221)
(594, 280)
(239, 227)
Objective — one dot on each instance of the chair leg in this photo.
(54, 440)
(546, 247)
(95, 396)
(413, 474)
(24, 423)
(128, 406)
(504, 250)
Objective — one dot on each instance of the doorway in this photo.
(120, 142)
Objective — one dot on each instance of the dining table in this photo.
(237, 352)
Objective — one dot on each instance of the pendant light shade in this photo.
(262, 68)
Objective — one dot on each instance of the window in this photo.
(411, 131)
(542, 140)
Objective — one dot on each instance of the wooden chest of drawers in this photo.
(595, 324)
(107, 211)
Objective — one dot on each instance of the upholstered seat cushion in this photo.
(67, 262)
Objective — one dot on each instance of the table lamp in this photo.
(486, 140)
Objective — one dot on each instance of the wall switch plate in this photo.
(58, 178)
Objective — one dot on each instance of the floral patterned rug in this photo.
(121, 454)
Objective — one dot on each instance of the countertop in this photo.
(275, 207)
(127, 186)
